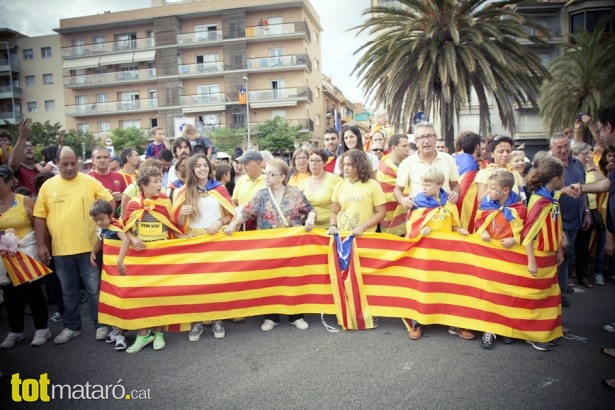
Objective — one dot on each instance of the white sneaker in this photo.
(65, 335)
(300, 324)
(10, 340)
(112, 335)
(218, 329)
(102, 333)
(40, 337)
(268, 325)
(196, 332)
(120, 342)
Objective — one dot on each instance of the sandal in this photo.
(609, 351)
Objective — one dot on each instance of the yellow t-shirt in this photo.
(245, 188)
(321, 199)
(357, 201)
(297, 178)
(65, 204)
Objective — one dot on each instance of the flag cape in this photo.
(394, 221)
(159, 208)
(511, 215)
(218, 192)
(543, 222)
(430, 209)
(22, 268)
(467, 203)
(444, 278)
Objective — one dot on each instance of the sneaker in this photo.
(40, 337)
(112, 337)
(120, 343)
(140, 343)
(10, 340)
(159, 343)
(300, 324)
(268, 325)
(218, 329)
(543, 347)
(83, 295)
(565, 302)
(65, 335)
(507, 341)
(195, 333)
(487, 340)
(102, 333)
(598, 280)
(416, 330)
(607, 328)
(55, 318)
(462, 333)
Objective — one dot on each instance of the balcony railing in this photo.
(303, 93)
(89, 80)
(113, 107)
(215, 68)
(11, 117)
(305, 124)
(110, 47)
(274, 30)
(288, 61)
(199, 37)
(202, 99)
(10, 91)
(14, 64)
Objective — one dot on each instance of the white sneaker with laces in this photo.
(10, 340)
(218, 329)
(195, 333)
(102, 333)
(41, 336)
(268, 325)
(112, 335)
(120, 343)
(65, 335)
(300, 324)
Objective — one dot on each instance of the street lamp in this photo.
(247, 111)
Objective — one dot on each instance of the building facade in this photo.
(207, 60)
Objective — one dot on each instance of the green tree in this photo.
(41, 134)
(277, 135)
(131, 137)
(581, 80)
(428, 55)
(75, 139)
(227, 139)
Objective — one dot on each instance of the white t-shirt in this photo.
(210, 211)
(372, 158)
(413, 167)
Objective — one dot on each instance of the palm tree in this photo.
(428, 55)
(582, 80)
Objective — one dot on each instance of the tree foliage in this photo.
(581, 80)
(76, 140)
(277, 135)
(41, 134)
(428, 55)
(131, 137)
(227, 139)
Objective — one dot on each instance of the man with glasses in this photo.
(413, 167)
(113, 181)
(21, 159)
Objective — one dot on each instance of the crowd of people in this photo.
(378, 182)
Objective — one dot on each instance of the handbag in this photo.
(597, 219)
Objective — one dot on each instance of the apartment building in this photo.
(199, 59)
(338, 110)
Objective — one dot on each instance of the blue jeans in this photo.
(69, 268)
(562, 270)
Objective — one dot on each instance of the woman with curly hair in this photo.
(358, 201)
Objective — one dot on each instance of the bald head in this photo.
(67, 163)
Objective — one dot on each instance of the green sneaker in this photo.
(140, 343)
(159, 341)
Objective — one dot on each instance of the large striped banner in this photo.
(444, 278)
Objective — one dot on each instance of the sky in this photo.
(36, 18)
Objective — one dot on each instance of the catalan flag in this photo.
(22, 268)
(543, 223)
(394, 221)
(444, 278)
(242, 97)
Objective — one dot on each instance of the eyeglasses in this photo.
(377, 149)
(272, 174)
(301, 159)
(315, 161)
(424, 137)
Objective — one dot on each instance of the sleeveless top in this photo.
(17, 218)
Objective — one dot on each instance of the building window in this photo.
(98, 41)
(104, 126)
(30, 80)
(317, 92)
(101, 98)
(47, 79)
(83, 127)
(50, 105)
(317, 119)
(45, 52)
(32, 106)
(589, 20)
(130, 123)
(278, 113)
(28, 54)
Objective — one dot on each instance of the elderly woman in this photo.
(277, 206)
(318, 188)
(16, 215)
(299, 170)
(358, 201)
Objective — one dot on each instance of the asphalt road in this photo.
(288, 368)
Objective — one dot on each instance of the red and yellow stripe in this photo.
(22, 268)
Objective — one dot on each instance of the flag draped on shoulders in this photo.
(213, 188)
(501, 221)
(430, 211)
(544, 221)
(467, 203)
(159, 208)
(394, 221)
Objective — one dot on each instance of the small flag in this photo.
(22, 268)
(337, 120)
(243, 97)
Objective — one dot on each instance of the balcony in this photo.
(10, 92)
(202, 69)
(108, 79)
(199, 38)
(304, 124)
(202, 102)
(299, 61)
(110, 47)
(11, 117)
(7, 65)
(114, 107)
(277, 97)
(288, 30)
